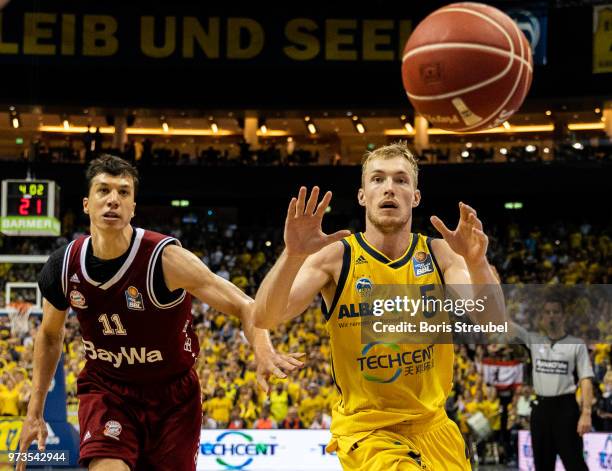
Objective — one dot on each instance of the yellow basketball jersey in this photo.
(384, 384)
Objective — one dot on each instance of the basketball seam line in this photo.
(521, 61)
(481, 47)
(493, 79)
(516, 82)
(472, 87)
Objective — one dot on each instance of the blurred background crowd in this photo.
(559, 254)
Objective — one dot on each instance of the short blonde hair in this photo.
(396, 149)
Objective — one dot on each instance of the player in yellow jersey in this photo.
(391, 411)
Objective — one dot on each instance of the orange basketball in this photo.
(467, 67)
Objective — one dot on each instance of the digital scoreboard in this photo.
(30, 208)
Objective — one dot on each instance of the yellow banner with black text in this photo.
(195, 37)
(602, 39)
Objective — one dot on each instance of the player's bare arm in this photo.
(584, 423)
(309, 264)
(293, 282)
(183, 270)
(462, 256)
(47, 351)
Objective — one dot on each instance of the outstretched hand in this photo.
(34, 428)
(303, 232)
(272, 363)
(468, 238)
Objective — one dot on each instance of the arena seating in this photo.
(553, 254)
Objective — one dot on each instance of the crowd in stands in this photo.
(147, 152)
(279, 153)
(562, 255)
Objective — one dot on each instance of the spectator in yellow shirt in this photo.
(310, 405)
(491, 408)
(472, 404)
(258, 260)
(219, 407)
(295, 391)
(248, 408)
(241, 281)
(23, 386)
(9, 398)
(279, 402)
(478, 386)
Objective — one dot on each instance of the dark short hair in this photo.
(555, 299)
(113, 165)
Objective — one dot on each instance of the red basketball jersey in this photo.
(128, 335)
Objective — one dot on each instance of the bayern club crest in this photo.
(112, 429)
(77, 299)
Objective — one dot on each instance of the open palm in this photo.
(303, 232)
(34, 427)
(468, 238)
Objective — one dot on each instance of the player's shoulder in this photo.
(436, 243)
(59, 253)
(154, 242)
(173, 251)
(438, 247)
(153, 236)
(442, 251)
(332, 253)
(50, 276)
(178, 263)
(330, 259)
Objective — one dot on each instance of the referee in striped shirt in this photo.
(559, 362)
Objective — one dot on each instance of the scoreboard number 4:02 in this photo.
(27, 192)
(30, 208)
(32, 189)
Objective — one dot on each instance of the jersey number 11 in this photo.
(108, 330)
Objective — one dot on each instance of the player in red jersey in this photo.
(139, 396)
